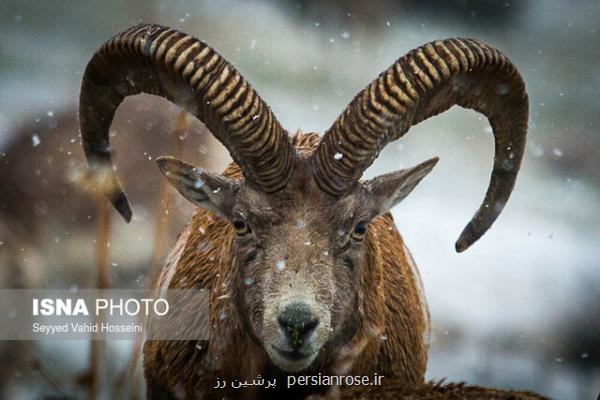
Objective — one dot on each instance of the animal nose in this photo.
(297, 322)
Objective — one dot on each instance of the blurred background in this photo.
(520, 309)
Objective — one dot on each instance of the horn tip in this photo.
(463, 243)
(121, 204)
(162, 161)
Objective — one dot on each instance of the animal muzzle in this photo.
(297, 323)
(295, 333)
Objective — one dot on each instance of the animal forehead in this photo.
(303, 203)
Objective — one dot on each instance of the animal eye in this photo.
(360, 230)
(241, 227)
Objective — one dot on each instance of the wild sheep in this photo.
(305, 267)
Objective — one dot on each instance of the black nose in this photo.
(297, 322)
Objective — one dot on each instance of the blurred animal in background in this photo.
(305, 268)
(39, 168)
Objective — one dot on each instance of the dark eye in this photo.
(241, 227)
(359, 231)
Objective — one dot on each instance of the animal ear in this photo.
(209, 191)
(390, 189)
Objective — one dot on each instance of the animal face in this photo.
(299, 253)
(299, 217)
(299, 257)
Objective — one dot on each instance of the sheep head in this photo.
(299, 253)
(302, 216)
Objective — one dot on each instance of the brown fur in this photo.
(428, 391)
(376, 310)
(390, 333)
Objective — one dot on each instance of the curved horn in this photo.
(165, 62)
(421, 84)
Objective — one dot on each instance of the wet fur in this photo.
(388, 335)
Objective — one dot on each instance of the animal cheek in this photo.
(253, 311)
(250, 256)
(348, 262)
(347, 271)
(346, 293)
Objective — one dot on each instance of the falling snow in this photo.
(561, 190)
(35, 140)
(198, 183)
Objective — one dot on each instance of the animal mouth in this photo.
(293, 355)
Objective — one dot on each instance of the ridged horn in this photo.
(419, 85)
(166, 62)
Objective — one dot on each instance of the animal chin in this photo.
(291, 361)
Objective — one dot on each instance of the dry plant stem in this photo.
(102, 243)
(102, 282)
(37, 365)
(159, 250)
(166, 201)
